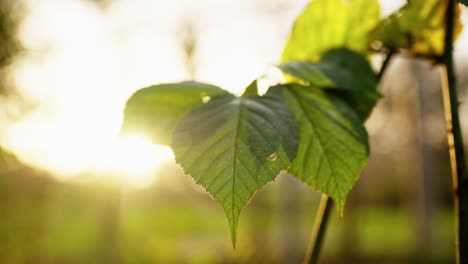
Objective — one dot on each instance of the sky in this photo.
(83, 62)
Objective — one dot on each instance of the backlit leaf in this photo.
(252, 89)
(419, 27)
(348, 73)
(328, 24)
(333, 146)
(156, 110)
(233, 146)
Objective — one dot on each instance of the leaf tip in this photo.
(340, 205)
(251, 90)
(233, 227)
(233, 240)
(340, 212)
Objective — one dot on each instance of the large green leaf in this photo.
(327, 24)
(419, 27)
(333, 146)
(157, 109)
(347, 72)
(233, 146)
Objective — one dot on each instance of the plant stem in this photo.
(385, 64)
(320, 226)
(455, 141)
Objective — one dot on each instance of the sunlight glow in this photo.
(83, 62)
(81, 66)
(133, 160)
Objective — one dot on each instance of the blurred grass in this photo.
(44, 221)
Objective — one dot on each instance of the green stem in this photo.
(385, 64)
(320, 226)
(455, 141)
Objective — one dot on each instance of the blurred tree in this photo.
(11, 13)
(189, 43)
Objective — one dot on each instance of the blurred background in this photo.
(72, 190)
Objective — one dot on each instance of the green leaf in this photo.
(252, 89)
(328, 24)
(419, 27)
(465, 2)
(156, 110)
(347, 72)
(333, 146)
(233, 146)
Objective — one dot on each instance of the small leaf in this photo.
(157, 109)
(233, 146)
(419, 27)
(252, 89)
(328, 24)
(347, 72)
(314, 73)
(333, 146)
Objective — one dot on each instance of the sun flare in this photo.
(82, 63)
(81, 66)
(133, 160)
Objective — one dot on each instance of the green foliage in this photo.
(347, 72)
(417, 27)
(333, 146)
(156, 110)
(328, 24)
(465, 2)
(234, 146)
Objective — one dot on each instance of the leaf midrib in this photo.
(239, 118)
